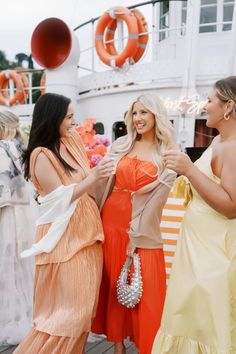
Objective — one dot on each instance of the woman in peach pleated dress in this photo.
(131, 220)
(68, 251)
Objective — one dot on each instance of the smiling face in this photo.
(143, 120)
(215, 110)
(67, 123)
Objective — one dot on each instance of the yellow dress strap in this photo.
(182, 189)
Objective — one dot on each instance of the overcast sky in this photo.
(18, 18)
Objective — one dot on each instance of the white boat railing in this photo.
(151, 11)
(162, 64)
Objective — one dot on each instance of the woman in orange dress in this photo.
(69, 234)
(131, 220)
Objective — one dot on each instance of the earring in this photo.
(226, 117)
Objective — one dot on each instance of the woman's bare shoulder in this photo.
(46, 173)
(215, 140)
(41, 157)
(229, 147)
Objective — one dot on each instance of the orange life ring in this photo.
(143, 36)
(43, 83)
(25, 83)
(118, 59)
(19, 96)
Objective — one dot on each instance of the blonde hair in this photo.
(10, 127)
(226, 89)
(164, 131)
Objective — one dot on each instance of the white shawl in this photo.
(55, 208)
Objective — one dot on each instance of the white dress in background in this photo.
(18, 212)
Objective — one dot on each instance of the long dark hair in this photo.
(49, 112)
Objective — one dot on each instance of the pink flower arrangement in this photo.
(95, 144)
(102, 140)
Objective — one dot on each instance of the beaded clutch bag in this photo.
(129, 290)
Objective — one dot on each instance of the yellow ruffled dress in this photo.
(200, 310)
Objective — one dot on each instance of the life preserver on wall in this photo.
(43, 83)
(19, 96)
(142, 32)
(118, 59)
(25, 83)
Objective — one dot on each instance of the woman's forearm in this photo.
(83, 187)
(101, 172)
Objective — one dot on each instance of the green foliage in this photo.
(36, 77)
(20, 57)
(26, 130)
(4, 63)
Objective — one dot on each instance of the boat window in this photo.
(183, 17)
(208, 16)
(228, 10)
(99, 128)
(216, 15)
(164, 20)
(118, 129)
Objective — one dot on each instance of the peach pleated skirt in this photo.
(65, 301)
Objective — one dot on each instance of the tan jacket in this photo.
(147, 206)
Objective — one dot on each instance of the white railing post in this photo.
(190, 57)
(30, 88)
(186, 126)
(233, 46)
(154, 36)
(93, 47)
(120, 29)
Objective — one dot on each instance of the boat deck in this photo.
(97, 347)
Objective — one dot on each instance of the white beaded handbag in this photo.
(129, 290)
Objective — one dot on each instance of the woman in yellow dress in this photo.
(200, 310)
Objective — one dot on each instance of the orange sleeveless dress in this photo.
(116, 321)
(67, 280)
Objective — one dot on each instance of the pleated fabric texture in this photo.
(113, 319)
(67, 279)
(43, 343)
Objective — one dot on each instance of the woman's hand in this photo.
(178, 161)
(130, 250)
(103, 170)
